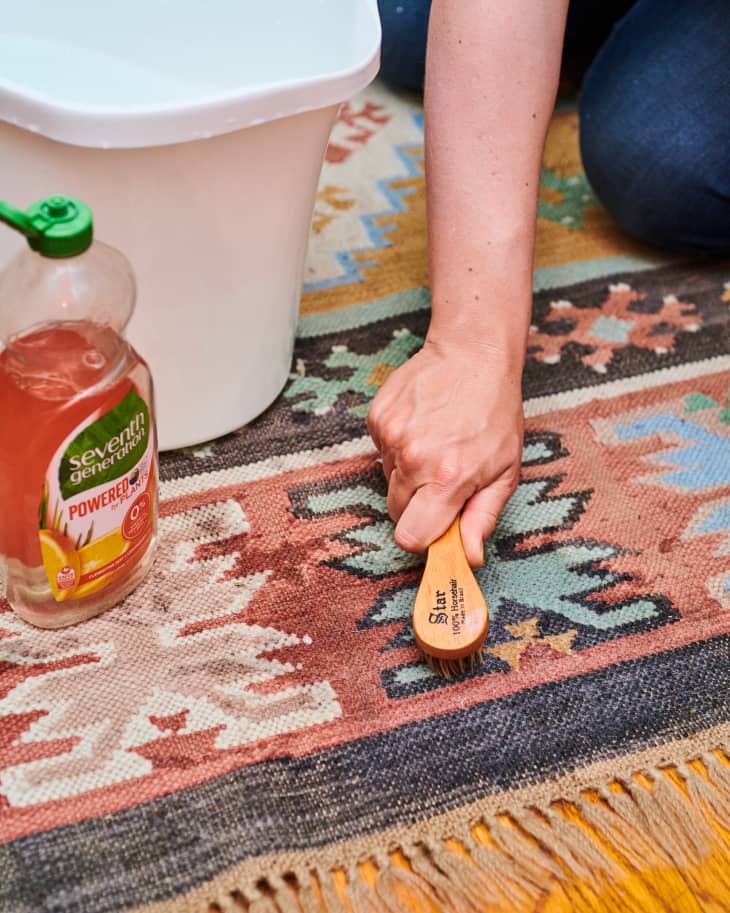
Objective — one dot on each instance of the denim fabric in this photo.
(655, 123)
(654, 111)
(403, 49)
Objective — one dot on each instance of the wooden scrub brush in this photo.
(450, 616)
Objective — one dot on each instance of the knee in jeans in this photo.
(649, 183)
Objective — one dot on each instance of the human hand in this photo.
(448, 425)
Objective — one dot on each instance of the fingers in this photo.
(378, 430)
(388, 462)
(479, 517)
(400, 492)
(426, 516)
(376, 419)
(372, 422)
(407, 470)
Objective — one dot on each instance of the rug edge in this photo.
(644, 799)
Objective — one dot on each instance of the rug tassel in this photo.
(530, 858)
(330, 897)
(569, 848)
(284, 896)
(665, 829)
(360, 893)
(390, 877)
(715, 808)
(531, 866)
(307, 901)
(624, 807)
(226, 904)
(580, 866)
(704, 793)
(465, 873)
(583, 849)
(449, 894)
(506, 874)
(719, 773)
(624, 839)
(260, 903)
(553, 841)
(677, 812)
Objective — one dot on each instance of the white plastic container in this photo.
(212, 120)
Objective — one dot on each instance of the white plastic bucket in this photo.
(196, 134)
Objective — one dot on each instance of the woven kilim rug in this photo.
(254, 729)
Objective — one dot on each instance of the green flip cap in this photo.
(55, 227)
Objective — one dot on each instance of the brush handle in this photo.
(448, 548)
(450, 618)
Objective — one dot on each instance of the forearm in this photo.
(491, 75)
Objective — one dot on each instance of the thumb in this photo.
(479, 518)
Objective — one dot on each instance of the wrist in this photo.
(496, 331)
(485, 349)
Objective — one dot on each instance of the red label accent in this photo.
(65, 578)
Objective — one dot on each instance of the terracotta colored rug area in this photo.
(254, 729)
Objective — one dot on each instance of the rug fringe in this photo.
(705, 796)
(393, 880)
(668, 819)
(330, 898)
(450, 894)
(360, 893)
(305, 894)
(286, 897)
(263, 905)
(463, 871)
(534, 862)
(225, 904)
(615, 831)
(719, 773)
(569, 843)
(510, 876)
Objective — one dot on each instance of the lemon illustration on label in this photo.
(61, 563)
(99, 554)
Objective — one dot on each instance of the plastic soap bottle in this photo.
(78, 455)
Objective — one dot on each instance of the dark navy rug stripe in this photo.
(167, 846)
(284, 430)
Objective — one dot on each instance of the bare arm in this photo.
(491, 77)
(448, 423)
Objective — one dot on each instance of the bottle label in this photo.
(97, 509)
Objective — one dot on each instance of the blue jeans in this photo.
(654, 114)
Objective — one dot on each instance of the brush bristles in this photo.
(449, 668)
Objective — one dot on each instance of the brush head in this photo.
(450, 617)
(451, 668)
